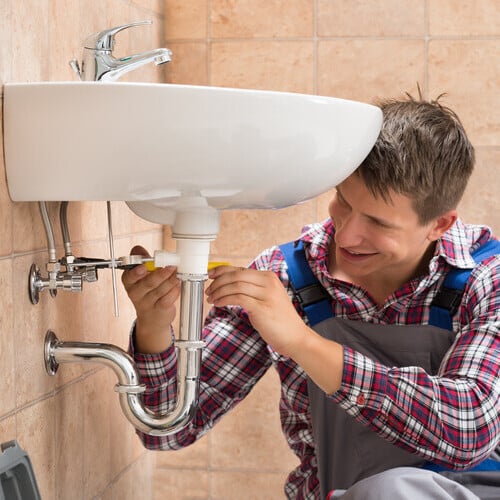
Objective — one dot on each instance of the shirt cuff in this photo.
(363, 388)
(154, 369)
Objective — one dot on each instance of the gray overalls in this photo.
(346, 450)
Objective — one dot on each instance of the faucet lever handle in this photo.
(105, 40)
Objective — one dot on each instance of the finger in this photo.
(167, 291)
(131, 276)
(138, 250)
(138, 281)
(241, 293)
(235, 274)
(220, 270)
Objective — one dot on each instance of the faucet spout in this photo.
(114, 68)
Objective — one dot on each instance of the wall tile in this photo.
(117, 16)
(7, 356)
(93, 18)
(284, 66)
(227, 485)
(94, 220)
(69, 412)
(185, 20)
(188, 65)
(30, 326)
(480, 202)
(155, 6)
(97, 425)
(241, 441)
(134, 483)
(30, 40)
(383, 68)
(8, 429)
(5, 41)
(464, 18)
(181, 484)
(261, 18)
(28, 232)
(464, 69)
(245, 233)
(64, 43)
(36, 435)
(365, 18)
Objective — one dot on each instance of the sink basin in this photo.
(154, 145)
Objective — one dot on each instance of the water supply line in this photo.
(63, 219)
(49, 232)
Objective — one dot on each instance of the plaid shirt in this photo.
(450, 419)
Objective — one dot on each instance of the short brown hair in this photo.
(422, 152)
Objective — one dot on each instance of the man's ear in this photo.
(441, 224)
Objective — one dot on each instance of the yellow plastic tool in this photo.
(214, 264)
(150, 265)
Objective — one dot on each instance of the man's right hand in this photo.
(153, 295)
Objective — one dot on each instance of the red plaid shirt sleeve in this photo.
(234, 359)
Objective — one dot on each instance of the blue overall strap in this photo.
(448, 299)
(453, 286)
(312, 297)
(487, 465)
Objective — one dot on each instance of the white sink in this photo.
(157, 143)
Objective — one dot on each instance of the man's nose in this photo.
(350, 232)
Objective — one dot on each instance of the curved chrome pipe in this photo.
(188, 346)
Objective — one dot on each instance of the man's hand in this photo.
(273, 315)
(266, 301)
(153, 295)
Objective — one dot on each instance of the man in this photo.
(376, 391)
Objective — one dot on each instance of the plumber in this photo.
(382, 322)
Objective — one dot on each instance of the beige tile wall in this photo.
(356, 49)
(71, 425)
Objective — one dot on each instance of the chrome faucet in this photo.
(99, 64)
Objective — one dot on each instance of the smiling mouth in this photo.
(355, 255)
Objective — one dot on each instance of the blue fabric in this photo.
(456, 280)
(298, 269)
(487, 465)
(301, 276)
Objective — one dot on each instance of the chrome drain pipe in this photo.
(129, 388)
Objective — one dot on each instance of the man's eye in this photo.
(379, 223)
